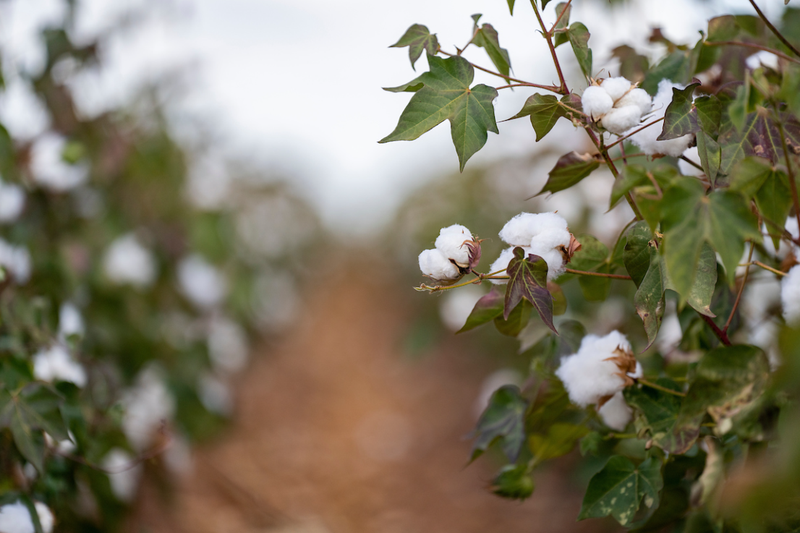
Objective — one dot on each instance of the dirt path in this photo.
(337, 432)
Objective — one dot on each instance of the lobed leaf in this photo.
(680, 117)
(417, 38)
(528, 280)
(579, 39)
(486, 37)
(503, 421)
(516, 321)
(559, 440)
(621, 487)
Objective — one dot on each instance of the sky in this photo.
(297, 85)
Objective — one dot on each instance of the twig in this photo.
(789, 171)
(634, 132)
(767, 267)
(549, 38)
(659, 387)
(613, 169)
(774, 30)
(695, 165)
(721, 335)
(741, 288)
(551, 88)
(753, 45)
(597, 274)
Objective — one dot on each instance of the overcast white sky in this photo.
(298, 84)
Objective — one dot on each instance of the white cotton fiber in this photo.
(56, 364)
(451, 243)
(553, 257)
(16, 260)
(16, 518)
(434, 264)
(520, 230)
(615, 412)
(70, 321)
(128, 262)
(647, 138)
(123, 477)
(587, 375)
(501, 263)
(201, 282)
(790, 296)
(616, 87)
(596, 101)
(621, 119)
(637, 97)
(12, 202)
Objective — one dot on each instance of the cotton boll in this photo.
(201, 282)
(520, 230)
(615, 412)
(16, 518)
(16, 260)
(687, 169)
(148, 405)
(227, 345)
(123, 477)
(790, 296)
(434, 264)
(621, 119)
(501, 263)
(596, 101)
(12, 202)
(49, 168)
(70, 321)
(588, 375)
(56, 364)
(451, 243)
(46, 518)
(637, 97)
(616, 87)
(128, 262)
(456, 306)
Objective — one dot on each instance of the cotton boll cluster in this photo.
(543, 234)
(456, 252)
(16, 518)
(616, 104)
(56, 364)
(49, 168)
(647, 139)
(12, 202)
(124, 477)
(790, 296)
(201, 282)
(128, 262)
(148, 405)
(601, 368)
(16, 261)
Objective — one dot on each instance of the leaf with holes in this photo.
(446, 95)
(528, 280)
(417, 38)
(503, 421)
(621, 487)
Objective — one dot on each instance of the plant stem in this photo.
(549, 38)
(551, 88)
(752, 45)
(620, 436)
(774, 30)
(741, 289)
(612, 145)
(659, 387)
(604, 152)
(721, 335)
(695, 165)
(597, 274)
(767, 267)
(789, 171)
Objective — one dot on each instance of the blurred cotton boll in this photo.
(457, 304)
(12, 202)
(227, 345)
(276, 301)
(16, 260)
(21, 111)
(209, 184)
(70, 321)
(148, 405)
(124, 477)
(201, 282)
(215, 395)
(128, 262)
(49, 168)
(16, 518)
(56, 364)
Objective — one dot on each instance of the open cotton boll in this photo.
(201, 282)
(56, 364)
(128, 262)
(70, 321)
(621, 119)
(616, 87)
(49, 168)
(589, 375)
(16, 260)
(637, 97)
(520, 230)
(501, 263)
(596, 101)
(123, 477)
(615, 412)
(16, 518)
(434, 264)
(790, 296)
(451, 243)
(148, 404)
(647, 139)
(12, 202)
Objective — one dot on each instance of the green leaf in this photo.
(559, 440)
(649, 297)
(560, 30)
(657, 413)
(486, 37)
(503, 421)
(489, 307)
(710, 154)
(592, 257)
(528, 280)
(636, 255)
(516, 321)
(632, 65)
(756, 178)
(722, 28)
(446, 95)
(544, 4)
(418, 38)
(514, 482)
(726, 380)
(590, 444)
(579, 39)
(690, 218)
(680, 117)
(544, 111)
(702, 291)
(411, 87)
(709, 114)
(759, 136)
(676, 67)
(749, 174)
(569, 170)
(511, 6)
(620, 488)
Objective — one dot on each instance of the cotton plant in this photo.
(702, 147)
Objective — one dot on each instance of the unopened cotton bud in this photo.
(621, 119)
(596, 101)
(616, 87)
(639, 98)
(434, 264)
(452, 242)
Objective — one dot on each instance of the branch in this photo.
(597, 274)
(753, 45)
(634, 132)
(741, 289)
(774, 30)
(659, 387)
(549, 38)
(551, 88)
(721, 335)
